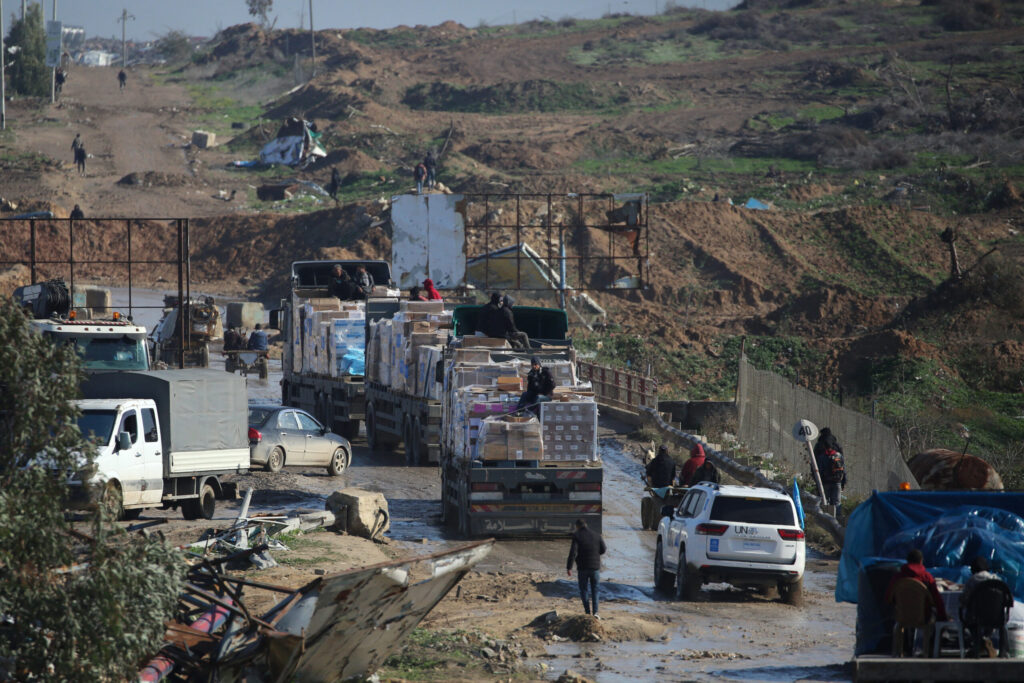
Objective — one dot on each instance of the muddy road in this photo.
(727, 634)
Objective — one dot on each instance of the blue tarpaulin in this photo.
(756, 204)
(950, 527)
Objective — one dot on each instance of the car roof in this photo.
(744, 491)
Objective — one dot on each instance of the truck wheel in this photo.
(339, 461)
(207, 502)
(663, 579)
(792, 593)
(409, 437)
(229, 363)
(350, 429)
(132, 514)
(373, 439)
(687, 581)
(420, 448)
(204, 356)
(263, 368)
(275, 461)
(112, 500)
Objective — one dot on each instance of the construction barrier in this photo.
(621, 389)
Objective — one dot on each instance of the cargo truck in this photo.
(503, 471)
(330, 387)
(164, 439)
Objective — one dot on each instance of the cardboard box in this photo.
(485, 342)
(471, 356)
(421, 306)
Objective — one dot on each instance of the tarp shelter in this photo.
(951, 528)
(756, 204)
(296, 144)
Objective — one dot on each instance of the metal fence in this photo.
(619, 388)
(769, 406)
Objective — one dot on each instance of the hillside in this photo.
(869, 128)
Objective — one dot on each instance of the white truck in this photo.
(164, 439)
(112, 343)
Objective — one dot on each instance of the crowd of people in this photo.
(236, 340)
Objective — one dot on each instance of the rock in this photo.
(359, 512)
(570, 676)
(489, 653)
(320, 572)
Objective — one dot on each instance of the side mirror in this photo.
(668, 511)
(124, 441)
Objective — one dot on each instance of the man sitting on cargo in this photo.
(540, 386)
(661, 470)
(491, 321)
(364, 282)
(341, 284)
(258, 339)
(232, 340)
(515, 336)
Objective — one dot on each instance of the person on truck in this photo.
(232, 340)
(258, 339)
(540, 386)
(414, 295)
(515, 336)
(828, 455)
(914, 569)
(341, 284)
(661, 471)
(430, 291)
(491, 321)
(586, 550)
(364, 283)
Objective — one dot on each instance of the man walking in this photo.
(586, 550)
(828, 455)
(80, 156)
(75, 144)
(122, 79)
(430, 163)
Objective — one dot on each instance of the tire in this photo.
(350, 429)
(132, 514)
(646, 512)
(207, 503)
(229, 364)
(204, 356)
(263, 367)
(663, 579)
(275, 461)
(687, 582)
(373, 439)
(419, 448)
(339, 462)
(792, 593)
(112, 500)
(409, 437)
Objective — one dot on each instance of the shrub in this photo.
(971, 15)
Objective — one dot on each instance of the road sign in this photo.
(805, 431)
(54, 33)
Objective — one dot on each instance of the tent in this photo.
(296, 144)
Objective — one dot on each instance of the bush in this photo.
(971, 15)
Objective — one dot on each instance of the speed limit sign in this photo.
(805, 431)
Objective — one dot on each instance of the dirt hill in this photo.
(867, 128)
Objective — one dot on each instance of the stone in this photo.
(203, 139)
(359, 512)
(570, 676)
(489, 653)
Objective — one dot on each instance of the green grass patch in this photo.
(428, 655)
(502, 98)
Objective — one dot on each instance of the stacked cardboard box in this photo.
(469, 407)
(570, 429)
(510, 438)
(331, 337)
(404, 347)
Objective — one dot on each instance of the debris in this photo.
(365, 512)
(297, 144)
(203, 139)
(756, 204)
(570, 676)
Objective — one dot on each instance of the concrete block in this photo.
(203, 140)
(244, 314)
(365, 512)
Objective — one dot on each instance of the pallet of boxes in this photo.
(403, 351)
(483, 383)
(331, 339)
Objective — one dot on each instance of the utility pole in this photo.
(53, 71)
(312, 40)
(3, 88)
(23, 10)
(124, 26)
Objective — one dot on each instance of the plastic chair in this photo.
(987, 609)
(943, 626)
(912, 611)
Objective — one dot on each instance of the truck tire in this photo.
(204, 356)
(203, 506)
(112, 500)
(263, 364)
(275, 461)
(376, 441)
(409, 437)
(646, 512)
(350, 429)
(663, 579)
(229, 363)
(339, 462)
(132, 514)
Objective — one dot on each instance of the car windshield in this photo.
(97, 425)
(259, 415)
(110, 353)
(755, 510)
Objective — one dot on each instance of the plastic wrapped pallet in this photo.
(427, 385)
(569, 430)
(421, 306)
(509, 438)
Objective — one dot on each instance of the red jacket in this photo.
(431, 291)
(691, 465)
(917, 571)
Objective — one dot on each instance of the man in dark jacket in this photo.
(540, 385)
(491, 320)
(586, 550)
(341, 284)
(258, 339)
(364, 282)
(661, 470)
(232, 340)
(516, 337)
(828, 455)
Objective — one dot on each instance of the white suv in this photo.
(747, 536)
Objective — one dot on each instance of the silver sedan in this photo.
(279, 436)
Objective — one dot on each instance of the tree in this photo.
(96, 621)
(260, 8)
(28, 72)
(173, 46)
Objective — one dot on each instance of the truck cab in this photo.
(128, 469)
(547, 326)
(312, 278)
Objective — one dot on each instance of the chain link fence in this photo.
(769, 406)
